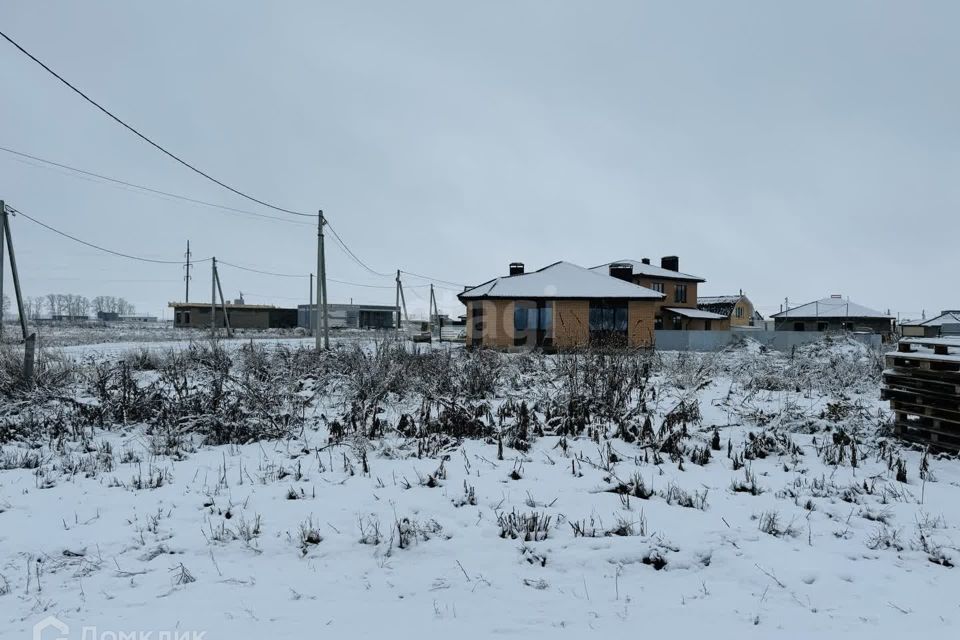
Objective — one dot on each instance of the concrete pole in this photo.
(396, 303)
(213, 299)
(187, 277)
(223, 303)
(2, 239)
(13, 271)
(315, 314)
(311, 316)
(323, 281)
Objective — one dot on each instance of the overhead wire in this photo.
(96, 246)
(147, 139)
(147, 189)
(197, 170)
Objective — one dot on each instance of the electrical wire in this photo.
(198, 171)
(148, 140)
(262, 272)
(96, 246)
(153, 190)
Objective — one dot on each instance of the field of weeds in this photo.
(267, 489)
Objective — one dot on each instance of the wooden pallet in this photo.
(923, 388)
(935, 438)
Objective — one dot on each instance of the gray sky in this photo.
(788, 149)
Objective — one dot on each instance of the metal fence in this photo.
(778, 340)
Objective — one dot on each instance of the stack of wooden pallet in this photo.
(922, 383)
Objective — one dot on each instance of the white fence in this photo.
(779, 340)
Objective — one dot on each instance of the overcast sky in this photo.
(787, 149)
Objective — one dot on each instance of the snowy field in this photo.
(267, 491)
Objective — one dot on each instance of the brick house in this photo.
(678, 309)
(559, 306)
(737, 308)
(242, 316)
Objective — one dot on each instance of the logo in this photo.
(51, 622)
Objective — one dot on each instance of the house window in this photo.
(822, 326)
(677, 323)
(476, 323)
(532, 322)
(608, 320)
(658, 323)
(707, 325)
(657, 286)
(798, 326)
(179, 318)
(848, 326)
(680, 293)
(738, 312)
(186, 317)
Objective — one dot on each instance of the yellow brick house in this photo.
(560, 306)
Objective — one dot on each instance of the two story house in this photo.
(678, 310)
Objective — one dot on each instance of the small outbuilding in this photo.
(350, 316)
(833, 314)
(196, 315)
(945, 324)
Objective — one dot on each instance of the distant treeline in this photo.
(69, 304)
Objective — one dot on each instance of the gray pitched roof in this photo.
(649, 270)
(560, 280)
(830, 308)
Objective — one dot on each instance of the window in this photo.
(179, 318)
(798, 326)
(738, 311)
(476, 323)
(186, 317)
(677, 323)
(608, 320)
(848, 326)
(822, 326)
(657, 286)
(707, 325)
(680, 293)
(532, 322)
(658, 323)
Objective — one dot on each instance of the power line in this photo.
(96, 246)
(145, 138)
(266, 273)
(350, 253)
(428, 278)
(148, 189)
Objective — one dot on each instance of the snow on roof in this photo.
(718, 299)
(560, 280)
(651, 270)
(687, 312)
(830, 308)
(951, 317)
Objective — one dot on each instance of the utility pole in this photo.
(213, 299)
(310, 312)
(29, 341)
(396, 303)
(223, 303)
(3, 234)
(322, 286)
(187, 276)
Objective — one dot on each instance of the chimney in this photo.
(671, 263)
(516, 268)
(836, 296)
(621, 271)
(645, 261)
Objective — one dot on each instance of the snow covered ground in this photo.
(740, 494)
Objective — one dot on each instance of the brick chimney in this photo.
(671, 263)
(516, 268)
(645, 261)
